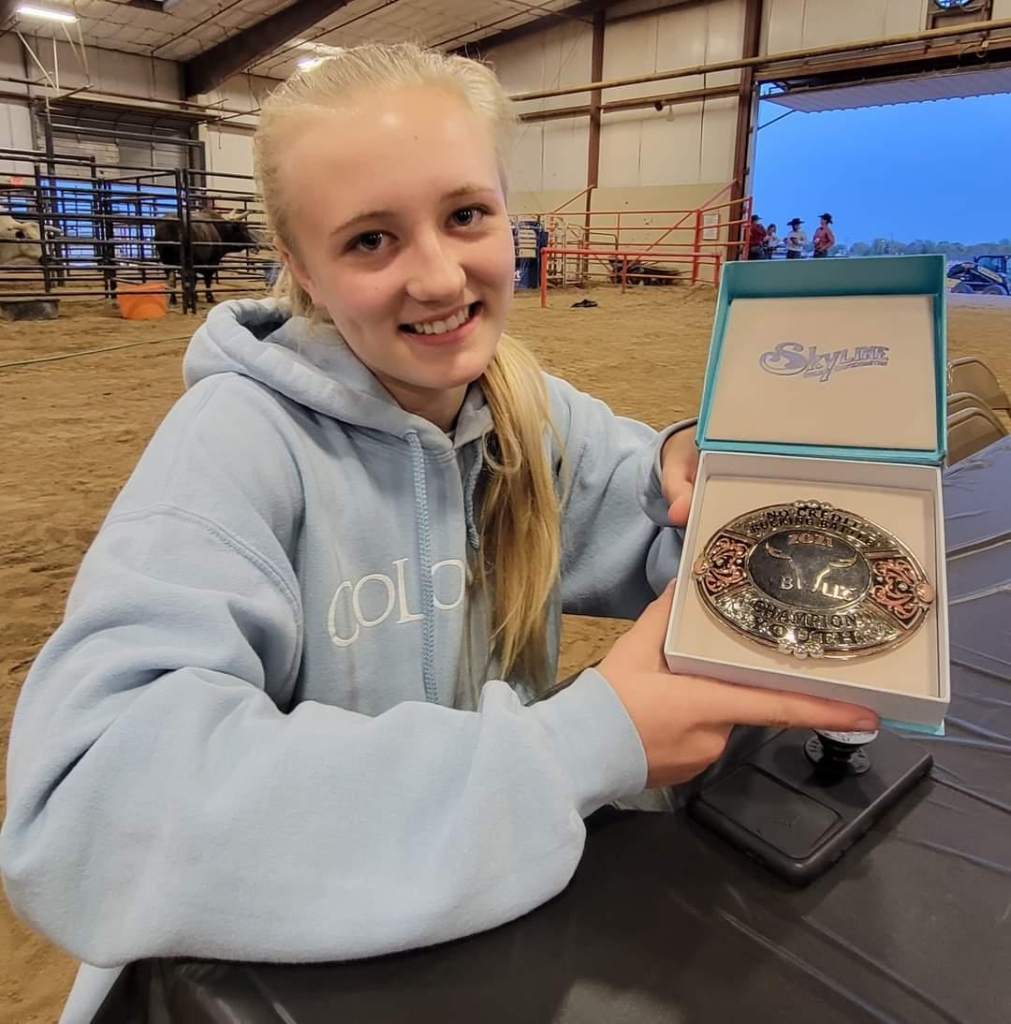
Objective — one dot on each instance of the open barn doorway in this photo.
(907, 165)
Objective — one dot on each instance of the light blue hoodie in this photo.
(265, 729)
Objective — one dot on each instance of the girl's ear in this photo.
(296, 268)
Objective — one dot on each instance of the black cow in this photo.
(212, 237)
(644, 273)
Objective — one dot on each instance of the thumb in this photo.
(677, 511)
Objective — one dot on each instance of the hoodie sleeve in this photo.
(618, 549)
(163, 800)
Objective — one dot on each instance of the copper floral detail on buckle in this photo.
(722, 566)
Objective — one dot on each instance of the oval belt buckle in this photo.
(813, 581)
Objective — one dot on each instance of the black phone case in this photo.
(778, 808)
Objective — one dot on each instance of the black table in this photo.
(663, 922)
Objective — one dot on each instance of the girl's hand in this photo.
(679, 459)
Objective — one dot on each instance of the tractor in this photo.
(985, 275)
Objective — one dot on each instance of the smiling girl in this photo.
(290, 712)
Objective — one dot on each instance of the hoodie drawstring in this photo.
(469, 487)
(425, 559)
(425, 551)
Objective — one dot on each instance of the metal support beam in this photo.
(657, 103)
(597, 71)
(862, 67)
(746, 104)
(234, 54)
(593, 144)
(51, 202)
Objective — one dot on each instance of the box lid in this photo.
(831, 358)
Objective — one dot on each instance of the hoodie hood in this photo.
(311, 364)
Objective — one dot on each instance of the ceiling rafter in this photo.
(582, 11)
(234, 54)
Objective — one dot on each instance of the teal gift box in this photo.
(826, 382)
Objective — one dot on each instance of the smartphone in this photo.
(779, 808)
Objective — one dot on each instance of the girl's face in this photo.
(400, 232)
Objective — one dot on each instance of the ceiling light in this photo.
(46, 14)
(318, 49)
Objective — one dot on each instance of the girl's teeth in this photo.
(441, 326)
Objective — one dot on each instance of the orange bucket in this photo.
(142, 301)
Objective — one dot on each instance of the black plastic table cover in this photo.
(665, 923)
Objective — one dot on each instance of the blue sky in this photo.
(939, 170)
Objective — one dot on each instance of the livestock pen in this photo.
(96, 225)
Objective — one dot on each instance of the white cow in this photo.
(19, 242)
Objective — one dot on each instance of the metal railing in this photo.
(97, 222)
(649, 246)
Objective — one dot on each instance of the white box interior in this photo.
(852, 370)
(908, 683)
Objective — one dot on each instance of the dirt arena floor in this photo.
(73, 428)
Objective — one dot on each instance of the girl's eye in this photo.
(467, 216)
(371, 241)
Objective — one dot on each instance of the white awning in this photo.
(933, 86)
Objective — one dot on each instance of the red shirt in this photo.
(823, 239)
(756, 235)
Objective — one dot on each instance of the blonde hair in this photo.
(518, 564)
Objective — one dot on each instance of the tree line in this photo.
(920, 246)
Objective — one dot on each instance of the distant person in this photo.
(824, 237)
(795, 240)
(772, 241)
(756, 239)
